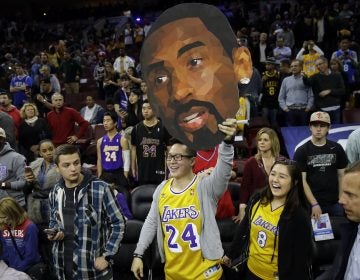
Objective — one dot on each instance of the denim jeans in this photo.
(271, 115)
(297, 118)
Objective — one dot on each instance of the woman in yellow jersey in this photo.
(278, 228)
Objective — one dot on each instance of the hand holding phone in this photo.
(51, 231)
(28, 169)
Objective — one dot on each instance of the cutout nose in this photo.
(182, 91)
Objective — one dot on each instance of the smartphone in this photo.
(28, 169)
(50, 231)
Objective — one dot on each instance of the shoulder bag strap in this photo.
(15, 245)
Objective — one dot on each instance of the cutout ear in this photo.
(242, 64)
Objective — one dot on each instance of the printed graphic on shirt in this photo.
(3, 172)
(321, 160)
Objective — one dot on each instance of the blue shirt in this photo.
(19, 96)
(353, 267)
(294, 92)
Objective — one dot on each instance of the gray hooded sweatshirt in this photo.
(12, 165)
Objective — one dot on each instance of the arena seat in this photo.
(141, 198)
(85, 140)
(124, 257)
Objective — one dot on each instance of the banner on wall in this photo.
(296, 136)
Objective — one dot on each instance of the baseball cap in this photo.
(2, 132)
(320, 117)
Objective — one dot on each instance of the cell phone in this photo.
(50, 231)
(28, 169)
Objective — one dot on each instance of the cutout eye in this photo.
(160, 80)
(195, 62)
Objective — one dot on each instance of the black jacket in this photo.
(295, 243)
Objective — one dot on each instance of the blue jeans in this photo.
(297, 118)
(271, 115)
(333, 210)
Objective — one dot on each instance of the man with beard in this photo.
(192, 65)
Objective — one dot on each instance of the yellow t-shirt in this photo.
(181, 225)
(309, 66)
(262, 238)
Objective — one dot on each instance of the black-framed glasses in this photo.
(177, 157)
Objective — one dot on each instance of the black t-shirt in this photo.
(321, 164)
(150, 145)
(69, 215)
(271, 88)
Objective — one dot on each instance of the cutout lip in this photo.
(193, 119)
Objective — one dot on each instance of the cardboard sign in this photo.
(191, 64)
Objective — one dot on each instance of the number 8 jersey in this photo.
(181, 225)
(264, 228)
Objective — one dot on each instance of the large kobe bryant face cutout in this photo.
(192, 64)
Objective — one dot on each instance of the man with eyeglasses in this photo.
(182, 214)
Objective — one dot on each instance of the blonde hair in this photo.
(275, 144)
(23, 108)
(14, 213)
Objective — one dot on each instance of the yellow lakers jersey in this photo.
(262, 237)
(309, 66)
(181, 225)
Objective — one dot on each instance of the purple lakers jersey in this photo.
(111, 153)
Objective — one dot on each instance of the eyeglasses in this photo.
(177, 157)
